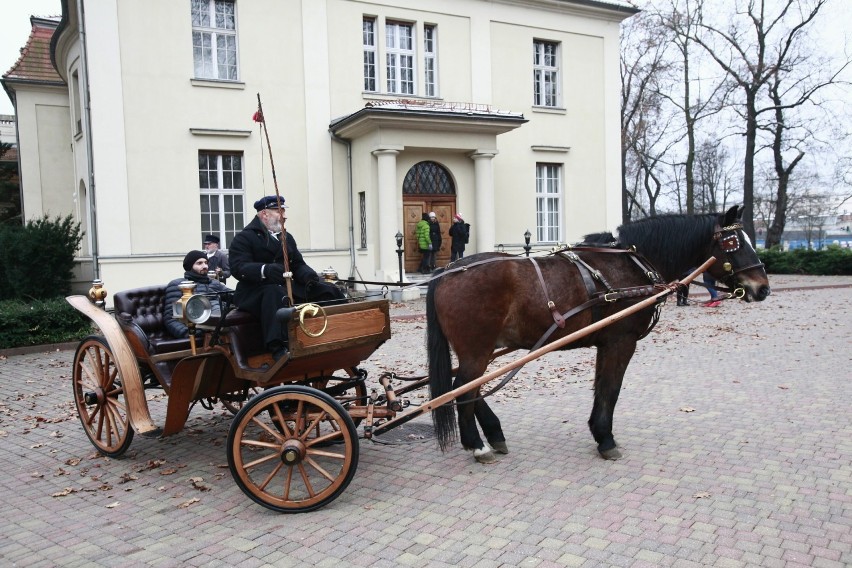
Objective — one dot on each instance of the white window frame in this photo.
(222, 208)
(400, 57)
(548, 202)
(371, 70)
(214, 39)
(430, 60)
(547, 91)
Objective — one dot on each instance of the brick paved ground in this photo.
(735, 423)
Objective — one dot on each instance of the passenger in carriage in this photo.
(195, 266)
(257, 261)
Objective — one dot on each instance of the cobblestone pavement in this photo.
(735, 424)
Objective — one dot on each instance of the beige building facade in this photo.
(505, 112)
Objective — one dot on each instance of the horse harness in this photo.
(596, 298)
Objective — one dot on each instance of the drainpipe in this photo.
(348, 144)
(90, 160)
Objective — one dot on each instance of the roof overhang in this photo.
(467, 118)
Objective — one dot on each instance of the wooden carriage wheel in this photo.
(100, 398)
(292, 449)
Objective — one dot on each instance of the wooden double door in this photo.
(412, 210)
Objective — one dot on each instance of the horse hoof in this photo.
(486, 456)
(500, 447)
(610, 454)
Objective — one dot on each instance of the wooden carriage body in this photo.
(142, 351)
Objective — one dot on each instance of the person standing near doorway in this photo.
(421, 233)
(459, 233)
(435, 237)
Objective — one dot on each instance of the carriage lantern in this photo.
(329, 275)
(399, 253)
(527, 236)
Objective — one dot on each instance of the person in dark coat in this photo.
(459, 233)
(217, 261)
(195, 266)
(257, 261)
(435, 237)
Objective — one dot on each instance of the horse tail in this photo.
(440, 372)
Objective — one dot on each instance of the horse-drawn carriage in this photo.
(293, 443)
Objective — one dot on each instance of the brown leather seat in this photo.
(140, 314)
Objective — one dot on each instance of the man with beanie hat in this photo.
(257, 261)
(195, 267)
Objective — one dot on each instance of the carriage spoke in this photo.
(288, 483)
(317, 467)
(262, 424)
(279, 418)
(314, 424)
(271, 476)
(306, 480)
(327, 454)
(324, 439)
(260, 461)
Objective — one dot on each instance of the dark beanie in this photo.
(191, 258)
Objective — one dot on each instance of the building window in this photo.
(220, 179)
(214, 39)
(548, 198)
(75, 102)
(399, 58)
(545, 73)
(430, 78)
(428, 177)
(369, 35)
(362, 207)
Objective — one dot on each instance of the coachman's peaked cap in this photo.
(268, 202)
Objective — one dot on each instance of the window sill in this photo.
(217, 84)
(549, 110)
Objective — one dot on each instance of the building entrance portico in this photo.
(413, 158)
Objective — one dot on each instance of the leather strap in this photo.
(557, 317)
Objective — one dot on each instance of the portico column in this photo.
(484, 222)
(389, 222)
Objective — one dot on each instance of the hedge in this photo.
(40, 322)
(830, 261)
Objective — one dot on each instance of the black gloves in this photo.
(274, 273)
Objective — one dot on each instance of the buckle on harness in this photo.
(607, 296)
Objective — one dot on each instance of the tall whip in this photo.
(259, 118)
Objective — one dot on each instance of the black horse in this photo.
(491, 300)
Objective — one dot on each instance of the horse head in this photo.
(737, 265)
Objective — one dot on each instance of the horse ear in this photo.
(732, 215)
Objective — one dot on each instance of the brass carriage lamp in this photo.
(527, 237)
(329, 275)
(97, 293)
(191, 309)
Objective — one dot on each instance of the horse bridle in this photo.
(728, 239)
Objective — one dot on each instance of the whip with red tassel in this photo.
(259, 118)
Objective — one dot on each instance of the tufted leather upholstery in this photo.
(140, 314)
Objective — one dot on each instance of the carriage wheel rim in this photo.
(279, 453)
(99, 398)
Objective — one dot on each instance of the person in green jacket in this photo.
(421, 233)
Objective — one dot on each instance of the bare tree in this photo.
(644, 65)
(679, 17)
(753, 48)
(714, 178)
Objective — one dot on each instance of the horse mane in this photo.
(673, 243)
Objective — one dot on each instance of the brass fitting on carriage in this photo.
(97, 293)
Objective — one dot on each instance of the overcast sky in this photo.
(15, 29)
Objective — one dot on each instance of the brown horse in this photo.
(490, 301)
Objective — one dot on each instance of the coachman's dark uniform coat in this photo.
(257, 261)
